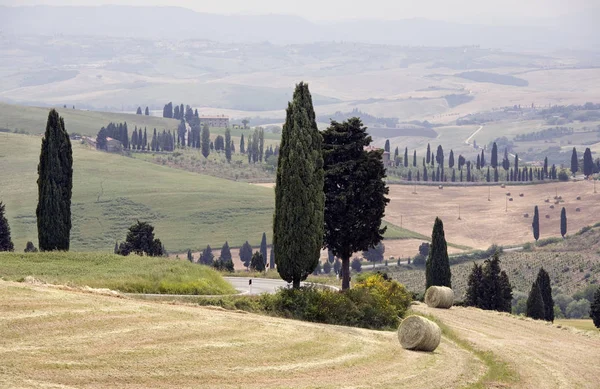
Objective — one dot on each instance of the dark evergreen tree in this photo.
(506, 290)
(225, 252)
(563, 222)
(263, 247)
(246, 254)
(496, 175)
(168, 110)
(101, 142)
(474, 287)
(242, 148)
(451, 159)
(145, 140)
(437, 267)
(428, 156)
(505, 161)
(516, 163)
(139, 111)
(535, 225)
(543, 283)
(574, 162)
(488, 177)
(482, 159)
(354, 192)
(271, 259)
(190, 257)
(298, 226)
(257, 263)
(140, 240)
(387, 146)
(374, 254)
(147, 112)
(261, 144)
(219, 143)
(494, 161)
(6, 243)
(478, 165)
(453, 175)
(545, 167)
(424, 173)
(496, 291)
(55, 185)
(588, 162)
(439, 158)
(30, 248)
(595, 308)
(176, 114)
(205, 142)
(330, 256)
(206, 257)
(415, 158)
(535, 303)
(405, 157)
(228, 144)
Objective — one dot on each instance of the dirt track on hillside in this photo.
(543, 355)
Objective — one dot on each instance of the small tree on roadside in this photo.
(535, 303)
(257, 263)
(563, 222)
(595, 308)
(6, 243)
(246, 254)
(437, 267)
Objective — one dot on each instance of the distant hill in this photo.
(181, 23)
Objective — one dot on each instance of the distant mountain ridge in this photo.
(181, 23)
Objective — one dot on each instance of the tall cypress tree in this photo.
(563, 222)
(574, 162)
(205, 141)
(228, 144)
(494, 161)
(387, 145)
(543, 282)
(242, 146)
(474, 287)
(271, 259)
(55, 184)
(451, 159)
(225, 252)
(406, 157)
(354, 192)
(437, 267)
(428, 156)
(535, 225)
(263, 247)
(482, 160)
(299, 199)
(415, 158)
(6, 243)
(595, 308)
(535, 303)
(588, 162)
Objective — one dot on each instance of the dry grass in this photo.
(484, 222)
(57, 338)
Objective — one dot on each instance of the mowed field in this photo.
(58, 338)
(498, 221)
(33, 120)
(111, 192)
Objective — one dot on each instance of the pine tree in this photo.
(543, 282)
(588, 163)
(405, 157)
(228, 144)
(595, 308)
(516, 163)
(55, 185)
(535, 303)
(574, 162)
(545, 167)
(506, 291)
(387, 146)
(482, 158)
(225, 252)
(415, 158)
(474, 287)
(536, 224)
(298, 225)
(451, 159)
(563, 222)
(437, 267)
(263, 247)
(6, 243)
(144, 140)
(140, 240)
(242, 148)
(494, 161)
(205, 142)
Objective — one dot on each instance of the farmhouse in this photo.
(214, 120)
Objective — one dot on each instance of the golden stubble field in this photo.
(482, 222)
(57, 339)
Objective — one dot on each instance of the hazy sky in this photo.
(482, 11)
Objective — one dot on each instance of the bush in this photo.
(547, 241)
(419, 260)
(563, 176)
(356, 265)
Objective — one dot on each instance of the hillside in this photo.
(111, 192)
(32, 120)
(124, 343)
(572, 265)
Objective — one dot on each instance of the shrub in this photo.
(563, 176)
(547, 241)
(419, 260)
(356, 265)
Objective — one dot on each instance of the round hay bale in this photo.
(418, 333)
(547, 216)
(502, 186)
(508, 193)
(577, 209)
(441, 187)
(439, 297)
(521, 194)
(578, 197)
(510, 199)
(547, 200)
(552, 207)
(525, 215)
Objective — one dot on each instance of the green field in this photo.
(33, 120)
(580, 324)
(132, 274)
(110, 192)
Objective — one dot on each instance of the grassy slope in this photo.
(187, 209)
(102, 342)
(33, 120)
(133, 274)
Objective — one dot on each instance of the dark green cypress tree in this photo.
(451, 159)
(595, 308)
(494, 161)
(563, 222)
(535, 303)
(139, 111)
(242, 147)
(415, 158)
(474, 287)
(299, 199)
(588, 162)
(145, 140)
(437, 267)
(190, 257)
(271, 259)
(6, 243)
(206, 257)
(439, 158)
(406, 157)
(263, 247)
(545, 167)
(487, 177)
(246, 254)
(428, 156)
(228, 144)
(506, 292)
(205, 142)
(543, 283)
(574, 162)
(257, 263)
(482, 160)
(55, 185)
(225, 252)
(387, 146)
(535, 225)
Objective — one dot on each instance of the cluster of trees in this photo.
(146, 112)
(540, 304)
(488, 287)
(140, 240)
(179, 112)
(116, 131)
(6, 243)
